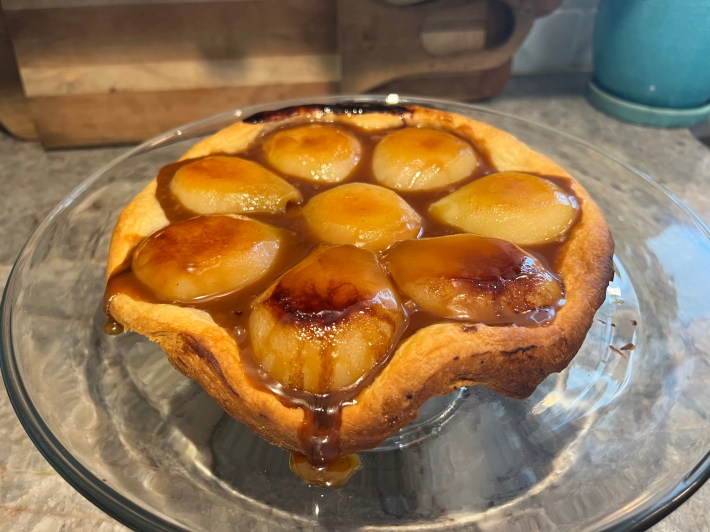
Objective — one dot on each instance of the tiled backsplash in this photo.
(559, 42)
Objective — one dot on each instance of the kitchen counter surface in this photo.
(32, 181)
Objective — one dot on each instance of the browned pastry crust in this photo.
(435, 360)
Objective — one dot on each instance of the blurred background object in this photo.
(93, 72)
(560, 42)
(113, 71)
(652, 61)
(14, 110)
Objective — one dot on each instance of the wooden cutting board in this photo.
(109, 71)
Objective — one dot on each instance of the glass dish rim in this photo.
(133, 515)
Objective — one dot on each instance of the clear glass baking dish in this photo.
(616, 440)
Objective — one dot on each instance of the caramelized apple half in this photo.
(422, 159)
(327, 321)
(314, 152)
(231, 185)
(206, 256)
(514, 206)
(361, 214)
(473, 278)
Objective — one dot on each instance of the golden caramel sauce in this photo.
(322, 463)
(330, 475)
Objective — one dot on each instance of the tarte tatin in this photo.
(321, 271)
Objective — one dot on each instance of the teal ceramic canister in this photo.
(652, 61)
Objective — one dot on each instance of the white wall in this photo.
(559, 42)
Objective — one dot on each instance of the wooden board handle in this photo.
(380, 42)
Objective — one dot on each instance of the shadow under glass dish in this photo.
(611, 440)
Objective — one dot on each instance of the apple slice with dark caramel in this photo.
(206, 256)
(327, 321)
(473, 278)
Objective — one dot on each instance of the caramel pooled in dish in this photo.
(322, 271)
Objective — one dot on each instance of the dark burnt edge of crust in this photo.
(519, 350)
(199, 349)
(340, 108)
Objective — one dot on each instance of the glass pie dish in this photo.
(616, 440)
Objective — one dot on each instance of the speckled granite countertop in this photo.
(34, 497)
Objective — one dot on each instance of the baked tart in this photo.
(322, 271)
